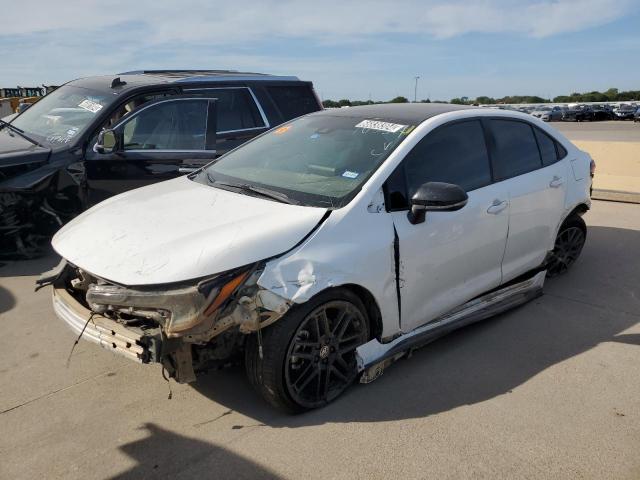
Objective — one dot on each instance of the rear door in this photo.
(240, 115)
(161, 140)
(451, 257)
(536, 191)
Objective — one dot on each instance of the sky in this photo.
(349, 49)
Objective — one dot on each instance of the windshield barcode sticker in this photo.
(93, 107)
(378, 125)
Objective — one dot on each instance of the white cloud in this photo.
(330, 21)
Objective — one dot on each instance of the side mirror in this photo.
(107, 142)
(436, 197)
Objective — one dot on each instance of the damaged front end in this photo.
(34, 202)
(187, 328)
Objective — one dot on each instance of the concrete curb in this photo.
(615, 196)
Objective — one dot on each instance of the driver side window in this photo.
(170, 125)
(454, 153)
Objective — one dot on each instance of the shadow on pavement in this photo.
(165, 454)
(21, 268)
(7, 300)
(594, 303)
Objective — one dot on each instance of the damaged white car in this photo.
(327, 248)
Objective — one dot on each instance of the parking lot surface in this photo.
(549, 390)
(612, 131)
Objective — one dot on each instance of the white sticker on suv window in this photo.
(378, 125)
(93, 107)
(350, 174)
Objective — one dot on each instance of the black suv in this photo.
(98, 136)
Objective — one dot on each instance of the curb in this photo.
(615, 196)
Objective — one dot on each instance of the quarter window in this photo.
(547, 147)
(516, 150)
(454, 153)
(294, 101)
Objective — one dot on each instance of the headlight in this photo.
(177, 310)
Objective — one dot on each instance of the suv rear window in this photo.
(516, 150)
(294, 101)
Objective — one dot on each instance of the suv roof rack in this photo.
(208, 74)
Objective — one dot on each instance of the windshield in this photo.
(63, 114)
(319, 160)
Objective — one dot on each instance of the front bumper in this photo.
(105, 332)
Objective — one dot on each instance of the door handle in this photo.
(556, 182)
(497, 206)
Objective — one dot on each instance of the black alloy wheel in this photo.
(568, 246)
(320, 362)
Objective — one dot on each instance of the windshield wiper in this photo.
(264, 192)
(19, 131)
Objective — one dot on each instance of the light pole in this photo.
(415, 90)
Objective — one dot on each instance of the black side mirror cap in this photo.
(436, 197)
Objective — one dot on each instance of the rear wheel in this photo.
(309, 354)
(568, 246)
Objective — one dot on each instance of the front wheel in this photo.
(568, 246)
(309, 354)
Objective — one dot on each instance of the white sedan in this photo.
(328, 247)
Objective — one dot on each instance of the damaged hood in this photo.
(18, 155)
(180, 230)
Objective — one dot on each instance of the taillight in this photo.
(592, 167)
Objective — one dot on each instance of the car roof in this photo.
(406, 113)
(140, 78)
(208, 75)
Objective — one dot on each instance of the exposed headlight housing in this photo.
(176, 310)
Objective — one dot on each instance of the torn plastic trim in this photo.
(373, 357)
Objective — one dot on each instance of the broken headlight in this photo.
(177, 309)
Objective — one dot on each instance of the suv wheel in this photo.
(309, 354)
(569, 243)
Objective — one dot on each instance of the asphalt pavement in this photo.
(548, 390)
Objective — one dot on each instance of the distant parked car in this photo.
(636, 116)
(601, 112)
(548, 114)
(625, 112)
(578, 113)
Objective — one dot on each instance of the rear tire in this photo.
(568, 246)
(309, 354)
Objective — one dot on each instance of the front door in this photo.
(451, 257)
(161, 140)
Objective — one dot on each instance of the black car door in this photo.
(161, 140)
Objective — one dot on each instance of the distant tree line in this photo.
(611, 95)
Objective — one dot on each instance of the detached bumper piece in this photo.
(105, 332)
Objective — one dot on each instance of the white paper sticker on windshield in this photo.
(378, 125)
(93, 107)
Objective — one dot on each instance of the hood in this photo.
(18, 155)
(180, 230)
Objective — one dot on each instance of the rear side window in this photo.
(562, 152)
(516, 150)
(294, 101)
(453, 153)
(236, 110)
(547, 147)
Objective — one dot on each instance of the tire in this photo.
(300, 354)
(568, 246)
